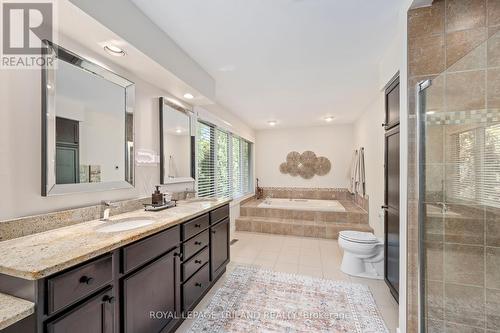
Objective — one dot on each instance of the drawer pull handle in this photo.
(197, 243)
(197, 284)
(87, 280)
(197, 225)
(197, 261)
(177, 254)
(108, 299)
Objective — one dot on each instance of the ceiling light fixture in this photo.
(329, 119)
(272, 122)
(188, 96)
(178, 131)
(114, 50)
(430, 112)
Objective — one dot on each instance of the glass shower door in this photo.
(458, 136)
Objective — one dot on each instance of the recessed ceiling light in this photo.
(430, 112)
(178, 130)
(188, 96)
(329, 119)
(114, 50)
(272, 122)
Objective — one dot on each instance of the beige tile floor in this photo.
(306, 256)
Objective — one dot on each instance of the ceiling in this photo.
(294, 61)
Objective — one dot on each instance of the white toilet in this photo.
(363, 254)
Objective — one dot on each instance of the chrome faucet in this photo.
(190, 193)
(107, 208)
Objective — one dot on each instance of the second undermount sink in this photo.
(201, 199)
(125, 224)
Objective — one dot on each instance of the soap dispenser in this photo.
(157, 197)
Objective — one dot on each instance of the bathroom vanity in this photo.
(140, 280)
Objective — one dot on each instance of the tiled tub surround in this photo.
(307, 193)
(456, 43)
(39, 255)
(303, 223)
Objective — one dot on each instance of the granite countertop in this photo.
(39, 255)
(13, 309)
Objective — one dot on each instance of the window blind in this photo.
(491, 188)
(237, 189)
(223, 163)
(475, 156)
(206, 160)
(222, 169)
(245, 165)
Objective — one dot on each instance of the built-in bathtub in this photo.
(307, 212)
(303, 204)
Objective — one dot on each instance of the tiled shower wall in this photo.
(463, 276)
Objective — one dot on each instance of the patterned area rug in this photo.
(260, 300)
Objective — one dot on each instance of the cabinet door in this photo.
(151, 296)
(391, 207)
(96, 315)
(219, 247)
(392, 104)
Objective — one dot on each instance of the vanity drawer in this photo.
(190, 247)
(191, 228)
(195, 287)
(191, 266)
(219, 214)
(71, 286)
(141, 252)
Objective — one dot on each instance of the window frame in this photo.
(231, 140)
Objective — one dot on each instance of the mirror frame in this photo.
(52, 52)
(164, 180)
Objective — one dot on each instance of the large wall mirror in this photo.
(176, 143)
(87, 126)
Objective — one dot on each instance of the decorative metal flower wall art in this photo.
(305, 165)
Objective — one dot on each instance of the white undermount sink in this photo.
(125, 224)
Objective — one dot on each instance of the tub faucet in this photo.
(190, 194)
(107, 208)
(444, 207)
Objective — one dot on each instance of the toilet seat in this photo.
(358, 237)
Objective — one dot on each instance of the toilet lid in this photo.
(358, 236)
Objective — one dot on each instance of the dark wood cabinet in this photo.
(151, 296)
(392, 104)
(95, 315)
(195, 287)
(75, 284)
(219, 247)
(195, 244)
(391, 208)
(141, 287)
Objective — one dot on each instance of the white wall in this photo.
(335, 142)
(369, 133)
(20, 146)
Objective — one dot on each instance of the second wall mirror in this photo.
(176, 143)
